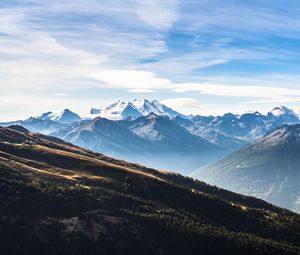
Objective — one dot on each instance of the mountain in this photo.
(269, 168)
(45, 126)
(118, 110)
(245, 127)
(139, 107)
(65, 117)
(233, 131)
(56, 198)
(152, 140)
(282, 115)
(47, 122)
(206, 127)
(152, 134)
(171, 145)
(146, 108)
(105, 136)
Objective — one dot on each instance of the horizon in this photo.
(88, 115)
(198, 57)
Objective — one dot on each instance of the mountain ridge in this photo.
(135, 109)
(267, 168)
(152, 140)
(148, 143)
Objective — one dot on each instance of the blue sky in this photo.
(198, 56)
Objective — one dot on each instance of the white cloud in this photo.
(238, 91)
(183, 65)
(51, 46)
(244, 19)
(38, 52)
(272, 101)
(157, 13)
(131, 79)
(142, 91)
(30, 58)
(185, 105)
(136, 81)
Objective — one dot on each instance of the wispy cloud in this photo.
(204, 48)
(243, 18)
(159, 14)
(185, 105)
(141, 91)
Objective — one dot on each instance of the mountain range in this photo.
(57, 198)
(155, 141)
(268, 168)
(135, 109)
(153, 134)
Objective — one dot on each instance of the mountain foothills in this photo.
(269, 168)
(56, 198)
(153, 134)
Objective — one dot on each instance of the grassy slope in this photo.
(56, 198)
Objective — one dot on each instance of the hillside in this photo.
(269, 168)
(60, 199)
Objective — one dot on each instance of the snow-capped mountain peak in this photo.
(284, 114)
(158, 105)
(130, 111)
(64, 117)
(136, 108)
(282, 110)
(140, 103)
(119, 110)
(144, 106)
(118, 106)
(45, 116)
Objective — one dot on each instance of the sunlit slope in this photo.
(56, 198)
